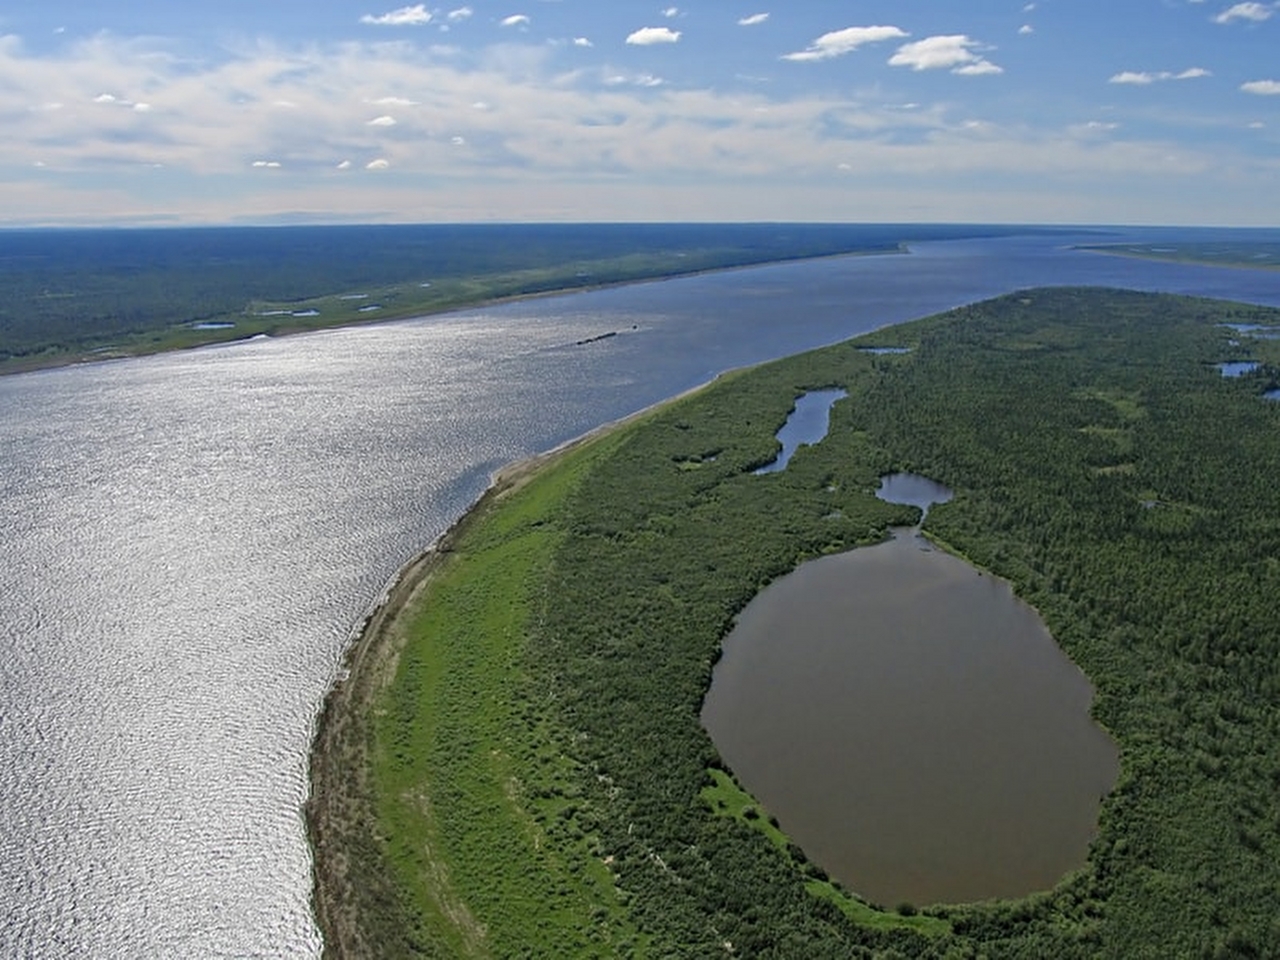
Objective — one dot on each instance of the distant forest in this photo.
(81, 294)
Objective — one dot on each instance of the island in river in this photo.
(515, 764)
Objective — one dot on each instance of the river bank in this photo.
(353, 890)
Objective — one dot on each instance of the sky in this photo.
(297, 111)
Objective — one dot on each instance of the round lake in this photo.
(913, 726)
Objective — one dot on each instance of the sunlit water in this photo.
(189, 540)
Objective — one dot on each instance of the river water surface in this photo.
(189, 540)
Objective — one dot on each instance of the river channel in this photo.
(189, 541)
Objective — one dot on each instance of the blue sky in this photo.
(231, 111)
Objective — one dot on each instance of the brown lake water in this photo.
(913, 726)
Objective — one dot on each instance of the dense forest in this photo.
(531, 777)
(90, 294)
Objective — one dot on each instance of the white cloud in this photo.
(671, 12)
(581, 42)
(383, 121)
(753, 20)
(954, 52)
(414, 16)
(979, 68)
(638, 80)
(344, 165)
(458, 141)
(1026, 30)
(1265, 88)
(462, 13)
(1257, 12)
(646, 36)
(1092, 128)
(392, 102)
(839, 42)
(267, 164)
(1134, 77)
(571, 132)
(515, 20)
(1144, 78)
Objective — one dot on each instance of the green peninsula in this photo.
(514, 766)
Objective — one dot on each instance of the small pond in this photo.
(913, 490)
(912, 724)
(808, 424)
(1237, 368)
(1258, 331)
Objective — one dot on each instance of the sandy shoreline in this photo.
(339, 810)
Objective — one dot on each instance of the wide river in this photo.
(189, 540)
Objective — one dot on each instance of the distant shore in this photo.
(225, 331)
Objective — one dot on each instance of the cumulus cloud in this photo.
(1026, 30)
(1265, 88)
(839, 42)
(581, 42)
(979, 68)
(574, 131)
(753, 20)
(1257, 12)
(1142, 78)
(462, 13)
(414, 16)
(952, 52)
(383, 121)
(516, 20)
(647, 36)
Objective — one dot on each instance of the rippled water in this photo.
(189, 540)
